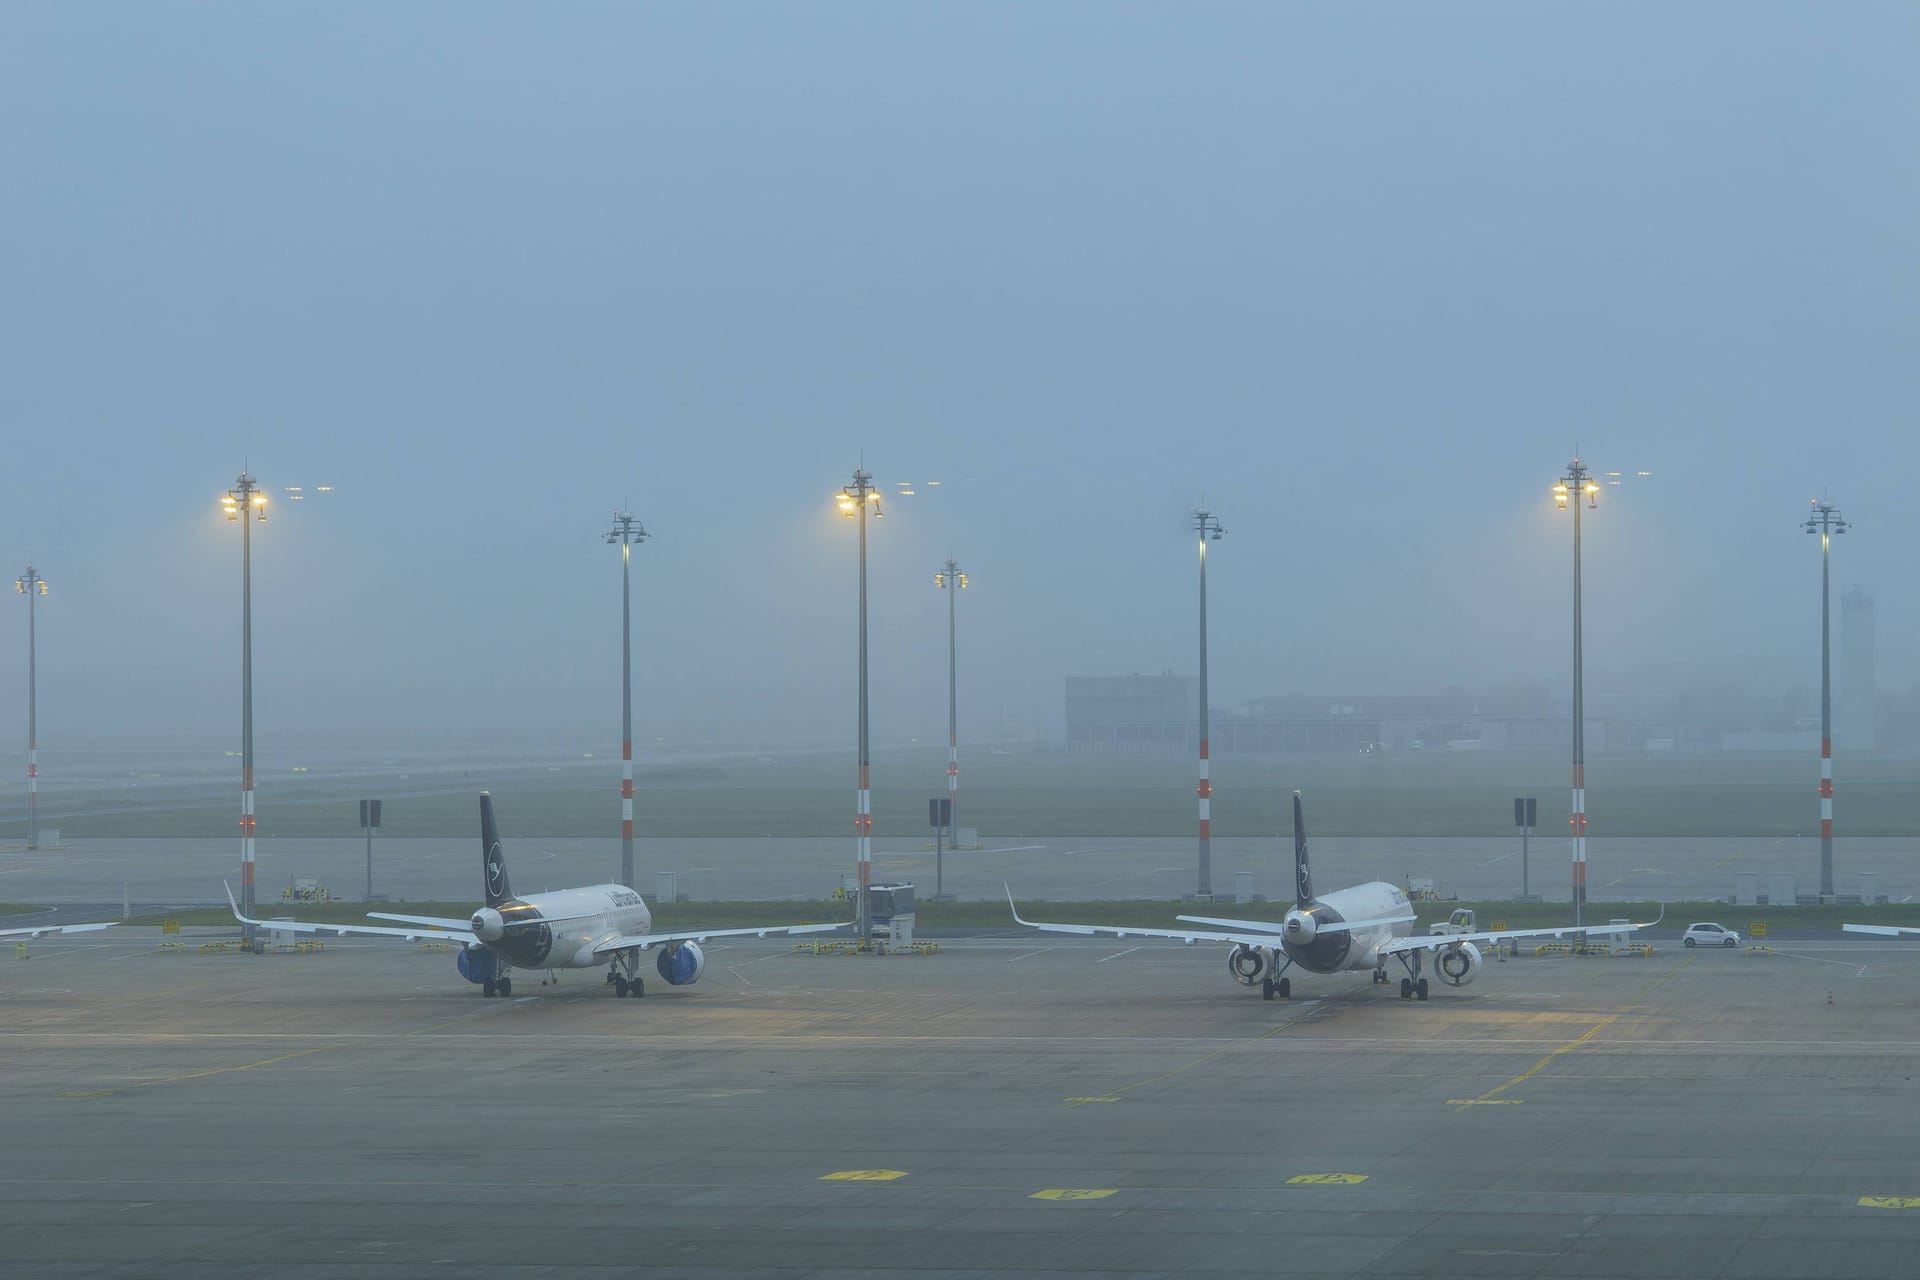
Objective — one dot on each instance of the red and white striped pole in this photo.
(244, 504)
(626, 531)
(1826, 521)
(32, 585)
(1576, 485)
(1207, 525)
(854, 501)
(952, 581)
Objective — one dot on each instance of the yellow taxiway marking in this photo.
(1483, 1102)
(1890, 1202)
(1073, 1193)
(1229, 1047)
(1534, 1070)
(1325, 1179)
(191, 1075)
(864, 1175)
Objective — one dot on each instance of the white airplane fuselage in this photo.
(560, 930)
(1330, 951)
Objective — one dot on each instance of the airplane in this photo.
(1359, 928)
(1878, 930)
(566, 929)
(37, 930)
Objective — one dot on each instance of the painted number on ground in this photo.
(1071, 1193)
(1890, 1202)
(864, 1175)
(1321, 1179)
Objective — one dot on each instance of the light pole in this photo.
(628, 532)
(1207, 525)
(854, 501)
(1826, 522)
(952, 581)
(31, 585)
(1567, 491)
(244, 503)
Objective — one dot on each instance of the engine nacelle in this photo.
(1300, 928)
(477, 964)
(682, 964)
(1249, 964)
(488, 925)
(1457, 965)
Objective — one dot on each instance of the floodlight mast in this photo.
(1826, 521)
(627, 532)
(853, 501)
(1207, 525)
(1568, 490)
(952, 581)
(31, 585)
(245, 503)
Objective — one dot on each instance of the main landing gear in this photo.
(628, 983)
(1413, 986)
(501, 986)
(1280, 986)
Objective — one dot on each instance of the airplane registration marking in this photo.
(1488, 1097)
(864, 1175)
(1074, 1193)
(1890, 1202)
(1325, 1179)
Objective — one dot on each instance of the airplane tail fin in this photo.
(1302, 875)
(493, 863)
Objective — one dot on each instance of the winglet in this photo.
(1012, 908)
(236, 906)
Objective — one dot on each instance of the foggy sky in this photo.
(1361, 275)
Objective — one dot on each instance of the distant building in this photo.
(1853, 707)
(1133, 714)
(1159, 715)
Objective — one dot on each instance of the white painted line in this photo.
(1116, 955)
(1029, 955)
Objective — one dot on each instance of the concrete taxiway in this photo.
(1015, 1105)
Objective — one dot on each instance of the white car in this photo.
(1709, 935)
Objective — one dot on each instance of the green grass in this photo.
(1013, 797)
(19, 909)
(1126, 912)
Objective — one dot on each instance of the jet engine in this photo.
(477, 965)
(681, 964)
(1458, 965)
(1249, 964)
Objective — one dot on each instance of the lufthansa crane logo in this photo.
(493, 870)
(1306, 885)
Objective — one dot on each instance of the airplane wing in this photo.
(356, 930)
(1438, 941)
(1188, 936)
(1877, 930)
(646, 940)
(37, 930)
(438, 922)
(1261, 926)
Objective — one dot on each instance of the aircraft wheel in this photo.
(506, 986)
(1406, 988)
(1285, 988)
(613, 978)
(639, 988)
(619, 986)
(1266, 988)
(487, 989)
(1687, 942)
(1420, 989)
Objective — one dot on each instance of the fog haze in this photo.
(1361, 277)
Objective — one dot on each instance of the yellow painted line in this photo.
(1200, 1061)
(1325, 1179)
(864, 1175)
(221, 1071)
(87, 1093)
(1890, 1202)
(1571, 1045)
(1072, 1193)
(1487, 1102)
